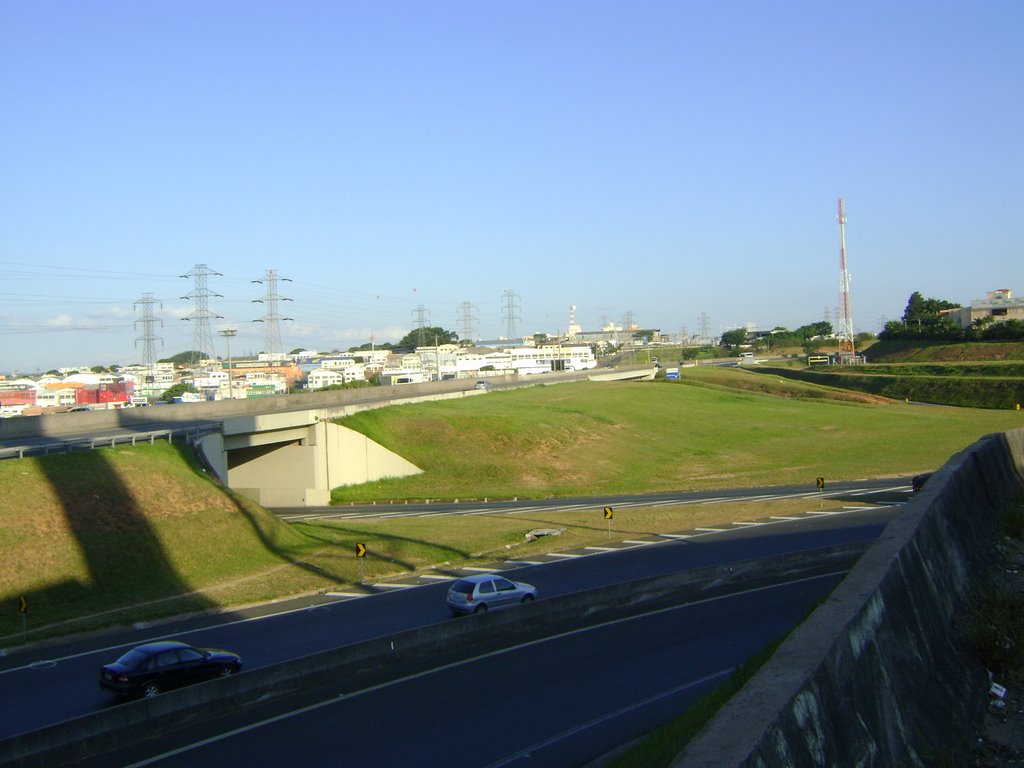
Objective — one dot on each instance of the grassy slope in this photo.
(91, 533)
(593, 438)
(941, 352)
(979, 375)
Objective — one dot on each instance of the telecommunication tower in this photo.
(271, 320)
(573, 329)
(845, 331)
(202, 336)
(147, 338)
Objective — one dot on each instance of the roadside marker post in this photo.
(821, 490)
(361, 556)
(23, 610)
(608, 514)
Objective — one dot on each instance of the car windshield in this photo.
(133, 658)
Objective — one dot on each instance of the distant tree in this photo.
(368, 346)
(185, 358)
(297, 350)
(98, 369)
(428, 337)
(921, 310)
(176, 390)
(645, 334)
(821, 328)
(734, 338)
(1007, 330)
(53, 372)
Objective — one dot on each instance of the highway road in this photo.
(42, 685)
(561, 701)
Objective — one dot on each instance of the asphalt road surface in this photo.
(40, 685)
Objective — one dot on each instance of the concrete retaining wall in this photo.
(878, 676)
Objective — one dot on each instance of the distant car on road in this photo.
(154, 667)
(482, 385)
(488, 591)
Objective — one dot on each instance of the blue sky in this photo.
(399, 160)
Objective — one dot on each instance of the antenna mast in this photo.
(845, 331)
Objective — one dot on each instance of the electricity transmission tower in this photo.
(510, 308)
(704, 324)
(202, 336)
(466, 321)
(272, 320)
(420, 324)
(147, 338)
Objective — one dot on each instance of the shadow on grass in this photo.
(125, 563)
(373, 554)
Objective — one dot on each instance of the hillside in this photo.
(115, 536)
(93, 531)
(698, 432)
(904, 351)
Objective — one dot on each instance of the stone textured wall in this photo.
(878, 676)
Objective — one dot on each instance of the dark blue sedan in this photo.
(149, 669)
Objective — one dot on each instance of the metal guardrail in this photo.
(91, 443)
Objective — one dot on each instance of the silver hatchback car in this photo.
(476, 594)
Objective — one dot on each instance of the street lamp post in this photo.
(227, 333)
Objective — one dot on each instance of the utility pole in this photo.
(228, 333)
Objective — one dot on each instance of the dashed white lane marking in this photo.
(604, 549)
(676, 535)
(563, 554)
(635, 541)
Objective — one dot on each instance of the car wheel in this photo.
(227, 671)
(149, 690)
(527, 599)
(482, 608)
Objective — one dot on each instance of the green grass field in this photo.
(116, 536)
(592, 438)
